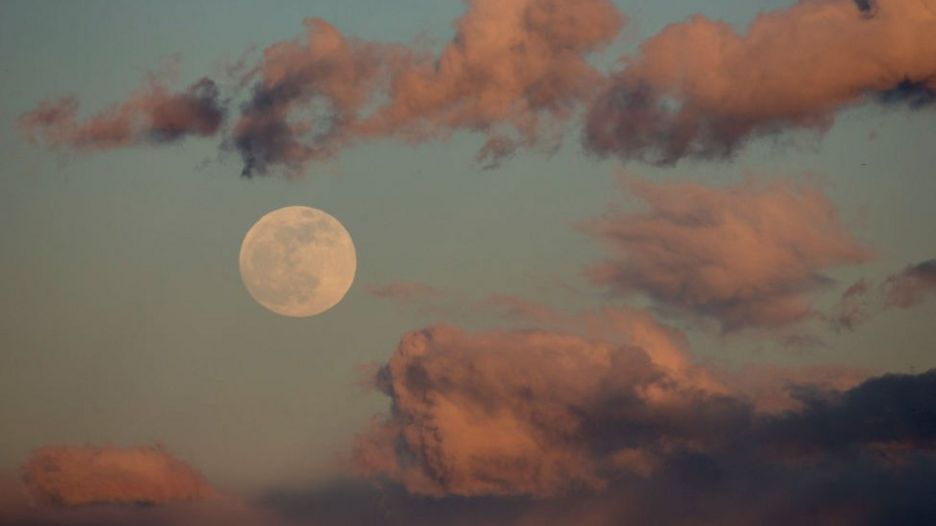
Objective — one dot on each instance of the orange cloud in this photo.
(747, 255)
(700, 89)
(77, 475)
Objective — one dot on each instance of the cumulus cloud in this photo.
(484, 440)
(79, 475)
(153, 114)
(746, 255)
(527, 413)
(700, 89)
(903, 290)
(602, 434)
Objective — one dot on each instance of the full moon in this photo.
(297, 261)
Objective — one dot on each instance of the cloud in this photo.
(903, 290)
(464, 422)
(511, 66)
(153, 114)
(778, 389)
(890, 410)
(861, 456)
(17, 511)
(747, 255)
(600, 433)
(699, 89)
(328, 76)
(514, 72)
(912, 286)
(517, 72)
(80, 475)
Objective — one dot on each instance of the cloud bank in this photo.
(517, 72)
(600, 433)
(524, 427)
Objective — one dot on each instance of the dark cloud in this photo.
(913, 94)
(863, 456)
(328, 75)
(892, 411)
(868, 7)
(774, 389)
(641, 445)
(903, 290)
(912, 286)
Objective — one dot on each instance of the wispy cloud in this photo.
(154, 114)
(747, 255)
(903, 290)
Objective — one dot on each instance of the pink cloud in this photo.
(700, 89)
(747, 255)
(525, 412)
(152, 114)
(77, 475)
(514, 70)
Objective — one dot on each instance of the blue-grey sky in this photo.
(123, 319)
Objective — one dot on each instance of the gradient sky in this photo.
(123, 319)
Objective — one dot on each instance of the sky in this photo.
(703, 233)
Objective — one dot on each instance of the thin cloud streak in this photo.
(154, 114)
(903, 290)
